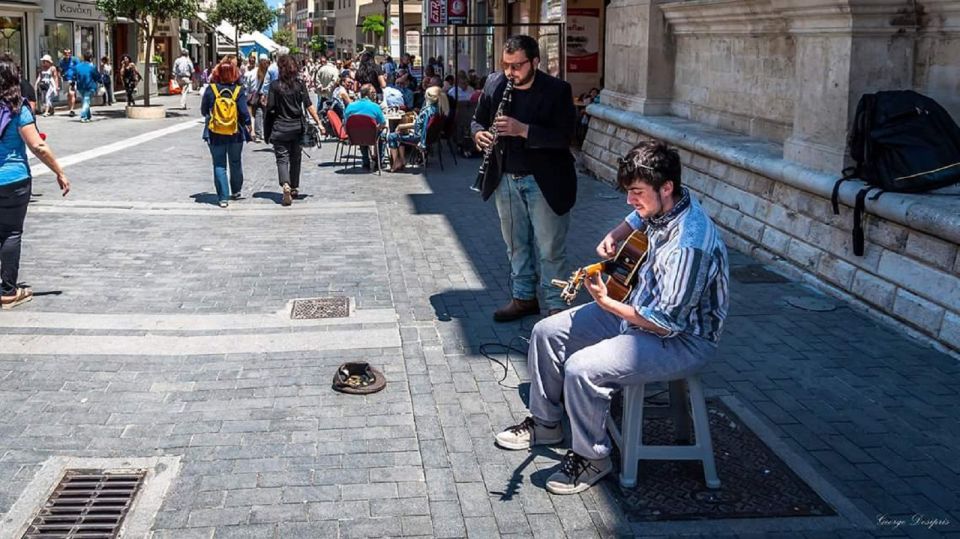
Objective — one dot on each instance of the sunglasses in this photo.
(630, 166)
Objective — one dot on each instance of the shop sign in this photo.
(76, 10)
(583, 40)
(457, 11)
(436, 13)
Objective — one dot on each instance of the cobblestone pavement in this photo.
(159, 329)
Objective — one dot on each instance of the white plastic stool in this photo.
(631, 444)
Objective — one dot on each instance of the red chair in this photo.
(362, 131)
(338, 131)
(434, 132)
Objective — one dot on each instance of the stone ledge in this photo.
(937, 216)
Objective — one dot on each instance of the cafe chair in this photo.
(434, 132)
(362, 131)
(338, 132)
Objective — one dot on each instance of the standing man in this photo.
(666, 329)
(68, 66)
(183, 71)
(326, 80)
(366, 106)
(533, 179)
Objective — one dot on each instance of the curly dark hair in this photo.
(10, 82)
(651, 162)
(289, 72)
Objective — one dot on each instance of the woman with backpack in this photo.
(224, 105)
(288, 103)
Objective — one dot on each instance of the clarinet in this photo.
(501, 110)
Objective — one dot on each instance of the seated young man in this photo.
(667, 328)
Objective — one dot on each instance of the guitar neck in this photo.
(593, 269)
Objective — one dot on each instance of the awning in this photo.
(192, 40)
(17, 6)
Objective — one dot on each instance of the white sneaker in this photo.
(528, 434)
(577, 474)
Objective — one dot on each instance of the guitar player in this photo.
(667, 328)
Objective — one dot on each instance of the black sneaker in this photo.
(528, 434)
(577, 474)
(72, 114)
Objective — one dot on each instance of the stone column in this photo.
(844, 48)
(638, 75)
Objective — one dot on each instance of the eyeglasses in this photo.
(630, 166)
(514, 66)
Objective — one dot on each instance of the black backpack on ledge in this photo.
(903, 142)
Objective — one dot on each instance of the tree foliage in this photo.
(317, 45)
(246, 16)
(147, 14)
(284, 38)
(373, 24)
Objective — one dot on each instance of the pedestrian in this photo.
(18, 131)
(667, 328)
(434, 103)
(369, 73)
(106, 79)
(326, 80)
(285, 123)
(48, 84)
(252, 82)
(131, 78)
(367, 106)
(86, 78)
(183, 71)
(227, 127)
(535, 181)
(67, 66)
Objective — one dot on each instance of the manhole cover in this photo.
(754, 481)
(811, 303)
(309, 309)
(87, 503)
(756, 274)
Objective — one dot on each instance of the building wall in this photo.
(742, 83)
(782, 79)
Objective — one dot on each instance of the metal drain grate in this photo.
(87, 504)
(309, 309)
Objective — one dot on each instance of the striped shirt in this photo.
(682, 286)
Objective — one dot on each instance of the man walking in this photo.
(183, 71)
(534, 182)
(367, 107)
(68, 65)
(86, 78)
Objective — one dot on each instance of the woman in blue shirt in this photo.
(435, 103)
(223, 148)
(18, 131)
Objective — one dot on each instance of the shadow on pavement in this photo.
(205, 198)
(271, 195)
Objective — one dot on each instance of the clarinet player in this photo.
(531, 176)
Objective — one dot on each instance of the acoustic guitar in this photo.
(621, 270)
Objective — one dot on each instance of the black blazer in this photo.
(548, 141)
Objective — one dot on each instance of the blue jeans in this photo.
(536, 239)
(221, 154)
(85, 109)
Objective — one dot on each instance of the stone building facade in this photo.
(758, 95)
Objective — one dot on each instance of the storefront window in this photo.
(56, 37)
(11, 36)
(88, 40)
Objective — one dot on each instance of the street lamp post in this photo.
(386, 26)
(403, 31)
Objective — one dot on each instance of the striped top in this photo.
(683, 284)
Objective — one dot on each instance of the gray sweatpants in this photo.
(580, 355)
